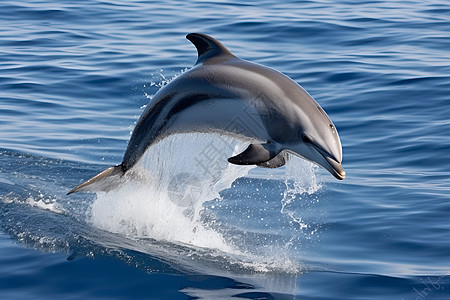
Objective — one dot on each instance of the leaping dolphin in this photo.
(225, 94)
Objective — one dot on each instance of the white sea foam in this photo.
(46, 204)
(41, 202)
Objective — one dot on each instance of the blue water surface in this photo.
(76, 75)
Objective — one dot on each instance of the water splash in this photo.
(164, 195)
(158, 81)
(164, 198)
(297, 188)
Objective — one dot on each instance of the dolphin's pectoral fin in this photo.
(255, 154)
(276, 162)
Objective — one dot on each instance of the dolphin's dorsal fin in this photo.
(207, 47)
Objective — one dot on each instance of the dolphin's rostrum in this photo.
(275, 113)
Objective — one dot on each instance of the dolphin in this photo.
(228, 95)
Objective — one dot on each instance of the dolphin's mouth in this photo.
(333, 166)
(338, 170)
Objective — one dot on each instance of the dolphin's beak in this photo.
(335, 168)
(332, 165)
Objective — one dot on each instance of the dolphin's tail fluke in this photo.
(103, 181)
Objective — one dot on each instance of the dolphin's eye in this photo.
(306, 139)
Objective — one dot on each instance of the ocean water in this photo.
(76, 75)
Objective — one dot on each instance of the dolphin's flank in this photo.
(279, 116)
